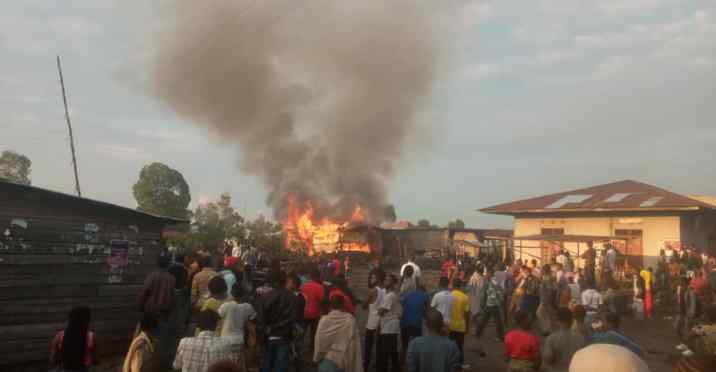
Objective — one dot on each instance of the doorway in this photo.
(631, 250)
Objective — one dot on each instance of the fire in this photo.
(302, 229)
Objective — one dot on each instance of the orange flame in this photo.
(302, 230)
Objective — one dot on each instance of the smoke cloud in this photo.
(320, 96)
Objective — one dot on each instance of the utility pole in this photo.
(69, 127)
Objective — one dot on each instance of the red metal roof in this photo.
(618, 196)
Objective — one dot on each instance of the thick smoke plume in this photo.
(319, 95)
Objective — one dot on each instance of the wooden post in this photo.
(69, 127)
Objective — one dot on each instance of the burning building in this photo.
(320, 100)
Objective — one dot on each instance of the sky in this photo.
(542, 96)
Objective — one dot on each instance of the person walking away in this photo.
(521, 347)
(293, 284)
(530, 298)
(200, 283)
(592, 302)
(414, 305)
(474, 290)
(238, 317)
(648, 277)
(276, 317)
(179, 314)
(74, 348)
(603, 357)
(313, 292)
(560, 346)
(578, 325)
(196, 354)
(611, 297)
(548, 295)
(232, 273)
(217, 294)
(416, 269)
(389, 311)
(337, 340)
(157, 297)
(681, 323)
(589, 256)
(459, 317)
(141, 355)
(609, 333)
(611, 259)
(375, 297)
(575, 293)
(407, 282)
(442, 300)
(433, 352)
(700, 287)
(491, 302)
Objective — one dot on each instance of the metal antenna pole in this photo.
(69, 127)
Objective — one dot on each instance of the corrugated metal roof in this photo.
(5, 185)
(618, 196)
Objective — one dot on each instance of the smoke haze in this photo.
(320, 96)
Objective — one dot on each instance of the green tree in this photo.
(264, 234)
(162, 190)
(217, 221)
(15, 167)
(424, 224)
(457, 224)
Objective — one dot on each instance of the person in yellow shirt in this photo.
(648, 276)
(459, 316)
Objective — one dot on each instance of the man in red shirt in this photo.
(521, 347)
(313, 292)
(699, 284)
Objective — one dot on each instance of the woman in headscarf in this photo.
(73, 349)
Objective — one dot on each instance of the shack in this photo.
(58, 251)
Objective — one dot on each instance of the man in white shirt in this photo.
(442, 301)
(592, 302)
(611, 259)
(236, 314)
(416, 268)
(669, 253)
(375, 299)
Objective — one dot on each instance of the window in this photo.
(617, 197)
(569, 199)
(651, 201)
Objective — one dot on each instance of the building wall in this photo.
(56, 258)
(699, 229)
(655, 230)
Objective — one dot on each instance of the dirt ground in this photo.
(656, 337)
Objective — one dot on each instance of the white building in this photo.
(649, 216)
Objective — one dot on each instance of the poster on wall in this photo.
(118, 260)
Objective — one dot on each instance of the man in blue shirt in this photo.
(415, 303)
(433, 352)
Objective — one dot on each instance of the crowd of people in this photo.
(549, 317)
